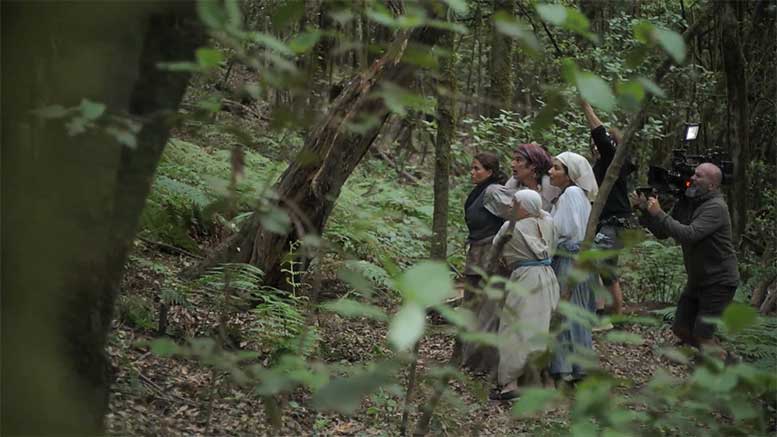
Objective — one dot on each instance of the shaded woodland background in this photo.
(218, 182)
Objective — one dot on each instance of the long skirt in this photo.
(479, 358)
(525, 320)
(576, 339)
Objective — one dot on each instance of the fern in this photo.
(757, 343)
(279, 320)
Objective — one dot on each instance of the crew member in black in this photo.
(617, 213)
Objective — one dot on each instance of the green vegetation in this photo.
(282, 268)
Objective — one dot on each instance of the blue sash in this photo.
(532, 263)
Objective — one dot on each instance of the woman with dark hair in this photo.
(530, 166)
(484, 216)
(573, 175)
(483, 220)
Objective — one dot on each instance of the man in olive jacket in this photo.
(703, 229)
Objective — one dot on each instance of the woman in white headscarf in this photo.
(532, 292)
(573, 175)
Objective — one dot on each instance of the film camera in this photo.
(677, 178)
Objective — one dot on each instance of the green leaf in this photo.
(738, 316)
(91, 110)
(594, 90)
(342, 16)
(630, 94)
(636, 56)
(743, 410)
(407, 326)
(554, 103)
(643, 31)
(568, 18)
(534, 400)
(675, 355)
(381, 15)
(508, 25)
(624, 337)
(76, 125)
(651, 87)
(480, 337)
(554, 14)
(577, 22)
(352, 308)
(305, 41)
(290, 11)
(410, 21)
(461, 317)
(345, 395)
(270, 42)
(178, 66)
(275, 220)
(164, 347)
(51, 111)
(458, 6)
(447, 25)
(569, 70)
(583, 428)
(123, 136)
(427, 283)
(208, 58)
(672, 43)
(211, 13)
(726, 382)
(234, 16)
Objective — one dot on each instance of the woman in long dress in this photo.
(573, 175)
(483, 219)
(532, 294)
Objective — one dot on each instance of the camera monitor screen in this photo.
(691, 132)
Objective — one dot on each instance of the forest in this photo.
(258, 217)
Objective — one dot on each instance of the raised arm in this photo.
(590, 115)
(602, 140)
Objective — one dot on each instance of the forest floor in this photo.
(155, 395)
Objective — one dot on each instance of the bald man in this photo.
(704, 232)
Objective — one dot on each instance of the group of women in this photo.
(546, 202)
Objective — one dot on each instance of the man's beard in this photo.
(696, 191)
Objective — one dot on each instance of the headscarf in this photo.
(531, 201)
(535, 155)
(580, 172)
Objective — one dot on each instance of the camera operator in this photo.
(700, 223)
(617, 212)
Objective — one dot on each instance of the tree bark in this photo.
(770, 303)
(736, 86)
(500, 91)
(68, 232)
(446, 128)
(311, 184)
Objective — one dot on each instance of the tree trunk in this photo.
(446, 127)
(500, 91)
(68, 232)
(761, 290)
(770, 303)
(311, 184)
(736, 85)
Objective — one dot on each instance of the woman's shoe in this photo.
(504, 395)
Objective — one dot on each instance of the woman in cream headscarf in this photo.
(532, 292)
(573, 175)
